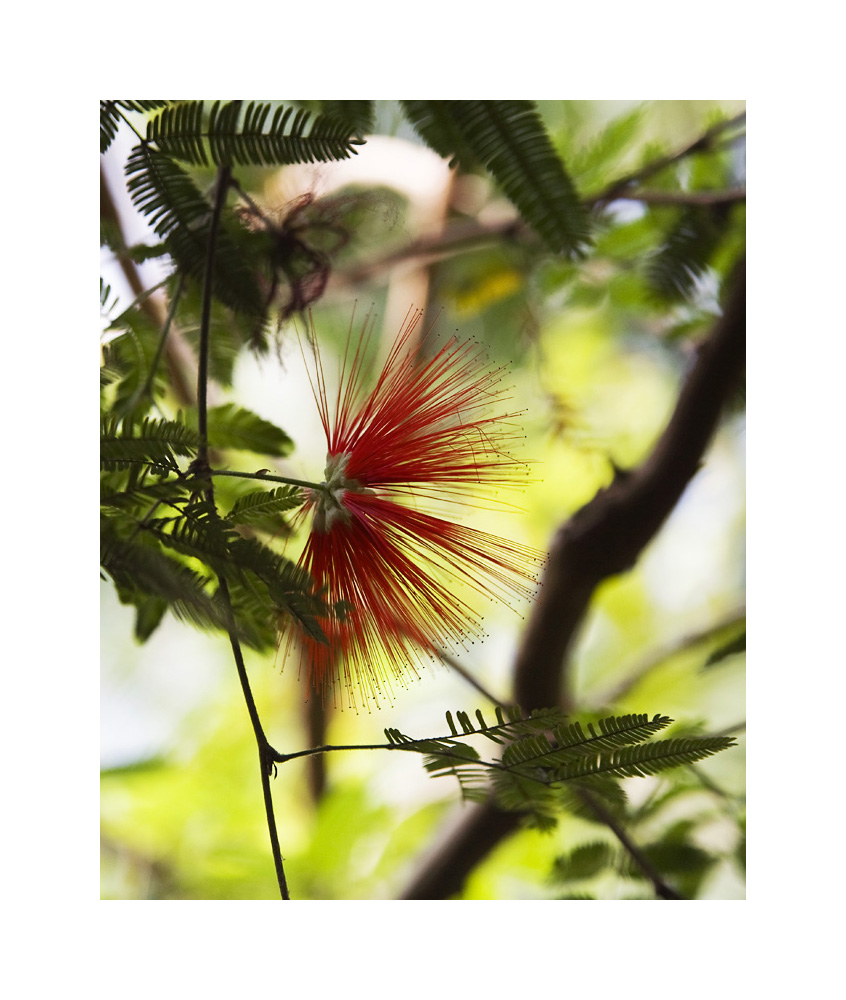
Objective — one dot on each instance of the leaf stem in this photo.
(597, 807)
(267, 477)
(264, 749)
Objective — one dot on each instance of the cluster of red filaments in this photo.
(421, 437)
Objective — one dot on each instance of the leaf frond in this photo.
(233, 426)
(509, 138)
(547, 759)
(154, 442)
(164, 193)
(256, 507)
(686, 251)
(644, 759)
(235, 133)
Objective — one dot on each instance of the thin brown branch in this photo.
(265, 752)
(725, 197)
(603, 539)
(710, 139)
(176, 356)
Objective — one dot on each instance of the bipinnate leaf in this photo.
(233, 426)
(163, 192)
(260, 506)
(147, 577)
(547, 759)
(509, 138)
(358, 114)
(153, 442)
(233, 132)
(687, 250)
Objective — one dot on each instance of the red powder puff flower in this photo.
(424, 432)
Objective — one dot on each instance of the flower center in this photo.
(328, 498)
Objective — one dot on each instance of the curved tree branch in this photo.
(603, 539)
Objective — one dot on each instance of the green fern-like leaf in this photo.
(613, 732)
(109, 121)
(154, 442)
(549, 762)
(434, 121)
(585, 861)
(242, 134)
(358, 114)
(644, 759)
(277, 583)
(139, 496)
(509, 138)
(130, 356)
(110, 116)
(168, 197)
(686, 250)
(232, 426)
(147, 577)
(592, 165)
(257, 507)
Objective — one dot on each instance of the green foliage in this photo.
(591, 165)
(232, 134)
(669, 848)
(166, 194)
(730, 648)
(261, 508)
(508, 137)
(111, 114)
(231, 426)
(129, 362)
(357, 113)
(154, 443)
(546, 751)
(151, 580)
(687, 249)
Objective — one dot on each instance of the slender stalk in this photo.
(467, 676)
(154, 364)
(266, 752)
(266, 476)
(223, 176)
(264, 749)
(662, 889)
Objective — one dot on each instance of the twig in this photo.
(662, 889)
(618, 188)
(685, 197)
(264, 750)
(150, 305)
(467, 676)
(265, 477)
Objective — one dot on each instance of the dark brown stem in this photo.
(603, 539)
